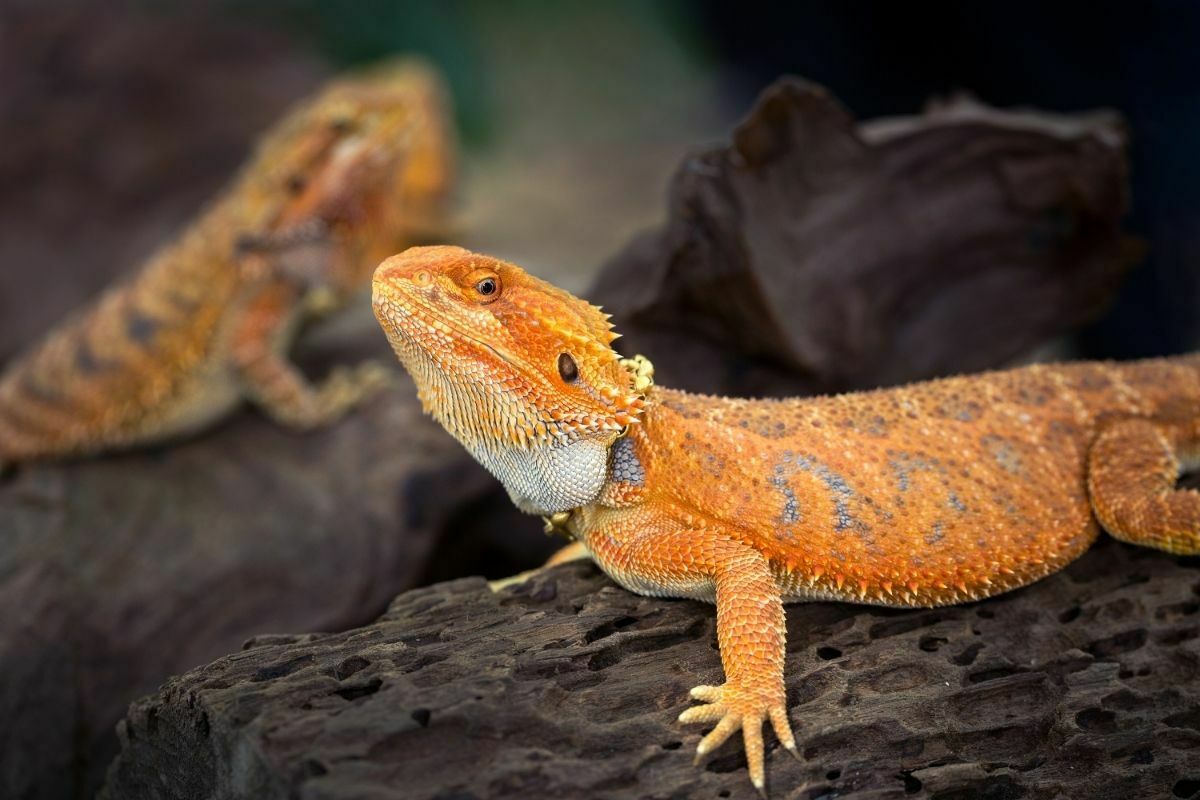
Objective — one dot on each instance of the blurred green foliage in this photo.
(463, 36)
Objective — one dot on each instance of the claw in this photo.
(733, 711)
(717, 736)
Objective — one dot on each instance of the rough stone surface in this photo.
(814, 254)
(117, 573)
(1086, 684)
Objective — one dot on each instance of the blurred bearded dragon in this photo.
(353, 173)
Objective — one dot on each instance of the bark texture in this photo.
(1086, 684)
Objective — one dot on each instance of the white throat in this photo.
(548, 479)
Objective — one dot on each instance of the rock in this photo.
(1086, 684)
(117, 572)
(814, 254)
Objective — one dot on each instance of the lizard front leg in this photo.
(274, 383)
(711, 565)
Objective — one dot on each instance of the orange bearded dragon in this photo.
(355, 172)
(924, 495)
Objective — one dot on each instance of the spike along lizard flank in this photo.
(354, 173)
(929, 494)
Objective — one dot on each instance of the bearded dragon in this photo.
(929, 494)
(355, 172)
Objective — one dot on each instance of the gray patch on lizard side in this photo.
(140, 327)
(839, 489)
(624, 465)
(791, 506)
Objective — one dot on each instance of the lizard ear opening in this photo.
(567, 368)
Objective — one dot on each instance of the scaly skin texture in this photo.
(929, 494)
(362, 168)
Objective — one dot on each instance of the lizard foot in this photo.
(344, 389)
(733, 707)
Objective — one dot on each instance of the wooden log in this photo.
(815, 254)
(1086, 684)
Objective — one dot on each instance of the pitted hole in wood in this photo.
(1124, 700)
(732, 761)
(992, 674)
(1144, 756)
(983, 612)
(350, 666)
(1179, 636)
(827, 653)
(904, 624)
(1175, 611)
(312, 768)
(1097, 720)
(967, 657)
(1188, 787)
(833, 774)
(351, 693)
(1125, 642)
(273, 671)
(931, 644)
(646, 642)
(421, 716)
(671, 745)
(1070, 615)
(724, 793)
(911, 785)
(607, 629)
(1185, 719)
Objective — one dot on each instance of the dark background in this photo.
(119, 119)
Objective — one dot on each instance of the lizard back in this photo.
(931, 493)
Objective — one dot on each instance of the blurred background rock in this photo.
(120, 119)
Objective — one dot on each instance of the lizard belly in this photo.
(207, 397)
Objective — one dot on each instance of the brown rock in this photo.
(118, 572)
(1086, 684)
(815, 254)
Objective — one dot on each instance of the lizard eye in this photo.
(567, 368)
(488, 287)
(296, 184)
(341, 124)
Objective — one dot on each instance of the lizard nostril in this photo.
(423, 278)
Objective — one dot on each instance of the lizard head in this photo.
(519, 371)
(364, 168)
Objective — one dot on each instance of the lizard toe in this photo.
(733, 708)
